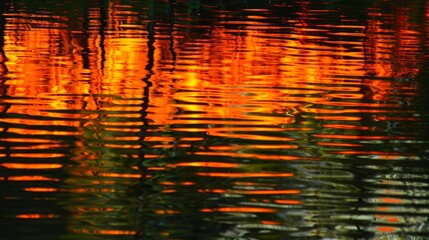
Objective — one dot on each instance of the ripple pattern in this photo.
(214, 119)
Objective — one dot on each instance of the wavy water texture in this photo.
(214, 119)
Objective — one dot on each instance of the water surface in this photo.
(214, 119)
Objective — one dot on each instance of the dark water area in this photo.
(217, 120)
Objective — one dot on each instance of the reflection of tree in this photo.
(3, 58)
(146, 80)
(103, 26)
(150, 28)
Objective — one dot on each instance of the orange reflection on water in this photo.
(206, 164)
(388, 218)
(40, 189)
(168, 191)
(34, 216)
(339, 118)
(32, 178)
(98, 188)
(254, 68)
(166, 212)
(177, 184)
(29, 139)
(288, 202)
(37, 155)
(101, 209)
(387, 229)
(253, 184)
(391, 200)
(103, 231)
(241, 209)
(392, 118)
(253, 146)
(120, 175)
(124, 146)
(212, 190)
(31, 165)
(263, 192)
(346, 126)
(51, 145)
(266, 222)
(34, 122)
(38, 132)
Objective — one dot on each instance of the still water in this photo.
(222, 120)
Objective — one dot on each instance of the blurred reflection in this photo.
(213, 119)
